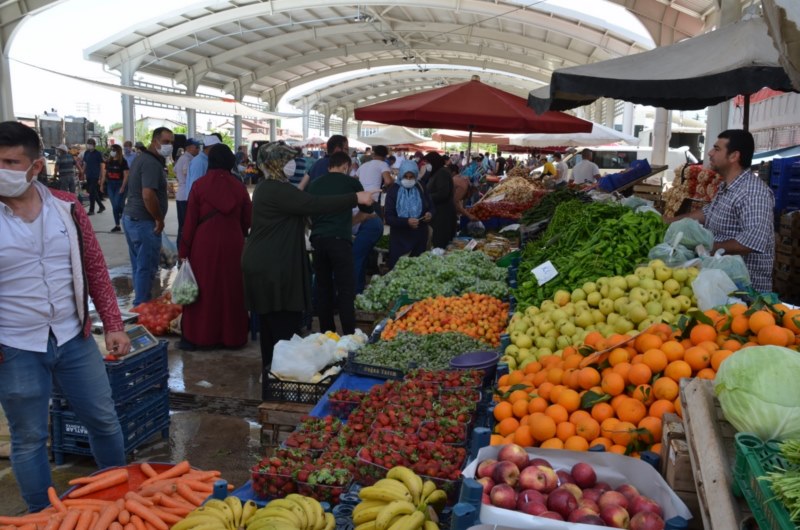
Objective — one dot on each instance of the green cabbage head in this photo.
(759, 390)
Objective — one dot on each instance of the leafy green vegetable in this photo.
(432, 351)
(758, 391)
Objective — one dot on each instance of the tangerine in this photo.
(579, 415)
(676, 370)
(515, 377)
(564, 430)
(706, 373)
(643, 393)
(761, 319)
(791, 320)
(656, 359)
(588, 377)
(602, 411)
(518, 395)
(647, 341)
(523, 437)
(718, 356)
(640, 374)
(673, 350)
(623, 433)
(537, 404)
(552, 443)
(503, 410)
(730, 344)
(661, 407)
(576, 443)
(623, 369)
(653, 426)
(697, 357)
(665, 388)
(618, 355)
(613, 384)
(557, 412)
(618, 449)
(569, 399)
(519, 408)
(601, 440)
(542, 427)
(740, 325)
(773, 335)
(588, 428)
(496, 439)
(507, 426)
(631, 410)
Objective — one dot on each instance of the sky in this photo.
(55, 39)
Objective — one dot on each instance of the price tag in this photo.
(471, 245)
(544, 272)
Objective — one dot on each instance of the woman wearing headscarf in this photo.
(218, 216)
(408, 212)
(440, 188)
(277, 273)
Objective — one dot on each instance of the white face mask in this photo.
(290, 168)
(428, 168)
(13, 182)
(165, 150)
(408, 183)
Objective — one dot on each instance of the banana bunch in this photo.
(401, 501)
(295, 512)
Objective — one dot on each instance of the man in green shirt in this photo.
(331, 237)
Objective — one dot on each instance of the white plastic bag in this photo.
(712, 288)
(299, 359)
(169, 252)
(184, 287)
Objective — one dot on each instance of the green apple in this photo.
(604, 290)
(598, 316)
(668, 317)
(532, 311)
(644, 324)
(632, 280)
(582, 306)
(687, 291)
(638, 294)
(656, 264)
(611, 318)
(685, 302)
(673, 306)
(541, 352)
(584, 319)
(533, 332)
(620, 304)
(512, 350)
(606, 306)
(654, 308)
(680, 275)
(578, 295)
(619, 281)
(523, 341)
(663, 274)
(602, 281)
(658, 284)
(521, 326)
(654, 294)
(563, 341)
(561, 298)
(672, 286)
(589, 287)
(558, 314)
(615, 292)
(567, 329)
(693, 272)
(623, 325)
(548, 305)
(594, 299)
(645, 273)
(569, 309)
(636, 312)
(648, 283)
(510, 361)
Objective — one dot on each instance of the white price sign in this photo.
(471, 245)
(544, 272)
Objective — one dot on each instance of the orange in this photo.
(706, 373)
(718, 356)
(515, 377)
(554, 375)
(678, 407)
(532, 368)
(556, 392)
(569, 399)
(710, 346)
(618, 449)
(552, 443)
(673, 350)
(656, 359)
(631, 410)
(730, 344)
(643, 393)
(523, 437)
(613, 384)
(588, 428)
(601, 411)
(588, 377)
(592, 338)
(618, 355)
(761, 319)
(640, 374)
(507, 426)
(661, 407)
(676, 370)
(656, 448)
(637, 359)
(576, 443)
(607, 426)
(496, 439)
(564, 430)
(737, 309)
(519, 408)
(579, 415)
(517, 395)
(740, 325)
(601, 440)
(544, 389)
(570, 378)
(573, 361)
(623, 369)
(557, 412)
(791, 320)
(502, 411)
(665, 388)
(542, 427)
(509, 439)
(540, 377)
(697, 357)
(616, 339)
(773, 335)
(537, 404)
(623, 433)
(646, 341)
(653, 426)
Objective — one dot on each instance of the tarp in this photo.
(393, 135)
(450, 135)
(695, 73)
(784, 152)
(783, 21)
(600, 135)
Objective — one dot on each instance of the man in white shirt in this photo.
(50, 264)
(375, 174)
(181, 172)
(585, 171)
(561, 169)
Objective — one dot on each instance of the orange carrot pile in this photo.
(159, 502)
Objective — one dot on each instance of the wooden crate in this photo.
(711, 450)
(367, 320)
(649, 192)
(278, 420)
(791, 223)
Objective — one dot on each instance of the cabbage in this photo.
(758, 388)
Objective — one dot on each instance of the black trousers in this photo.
(275, 326)
(93, 186)
(334, 272)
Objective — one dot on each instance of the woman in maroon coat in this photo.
(217, 221)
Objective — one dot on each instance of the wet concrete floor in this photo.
(214, 395)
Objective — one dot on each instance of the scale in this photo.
(141, 341)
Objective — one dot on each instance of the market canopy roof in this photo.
(599, 135)
(393, 135)
(449, 135)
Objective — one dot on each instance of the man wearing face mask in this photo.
(92, 164)
(50, 264)
(146, 206)
(128, 152)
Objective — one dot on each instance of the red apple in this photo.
(592, 494)
(603, 486)
(531, 496)
(540, 462)
(640, 503)
(552, 478)
(574, 489)
(486, 468)
(505, 473)
(615, 516)
(513, 453)
(485, 499)
(587, 503)
(646, 521)
(562, 501)
(532, 478)
(487, 484)
(531, 508)
(503, 496)
(578, 514)
(629, 491)
(612, 498)
(584, 475)
(564, 477)
(551, 515)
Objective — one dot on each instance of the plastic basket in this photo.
(131, 376)
(370, 370)
(755, 459)
(342, 409)
(324, 492)
(140, 419)
(272, 485)
(294, 391)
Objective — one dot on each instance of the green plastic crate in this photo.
(755, 459)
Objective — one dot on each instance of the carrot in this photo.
(135, 496)
(84, 520)
(124, 517)
(19, 520)
(163, 486)
(182, 511)
(149, 526)
(107, 516)
(187, 493)
(95, 518)
(148, 470)
(146, 514)
(101, 476)
(52, 496)
(87, 504)
(29, 526)
(118, 476)
(175, 471)
(203, 475)
(171, 502)
(53, 522)
(115, 526)
(129, 526)
(137, 522)
(70, 520)
(169, 518)
(197, 485)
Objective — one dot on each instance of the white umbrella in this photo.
(393, 135)
(783, 21)
(314, 141)
(600, 135)
(352, 143)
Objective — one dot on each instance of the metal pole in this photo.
(746, 113)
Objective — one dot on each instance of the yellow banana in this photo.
(392, 510)
(330, 522)
(273, 524)
(192, 521)
(276, 512)
(235, 504)
(368, 514)
(410, 480)
(375, 493)
(369, 525)
(413, 521)
(208, 526)
(363, 505)
(308, 509)
(392, 485)
(428, 487)
(294, 507)
(322, 520)
(209, 511)
(216, 504)
(430, 525)
(438, 499)
(248, 509)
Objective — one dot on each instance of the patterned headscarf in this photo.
(272, 157)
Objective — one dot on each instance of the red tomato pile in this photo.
(157, 314)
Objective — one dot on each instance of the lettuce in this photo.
(759, 391)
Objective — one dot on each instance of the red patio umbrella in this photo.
(470, 106)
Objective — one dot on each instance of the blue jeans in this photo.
(369, 232)
(26, 380)
(117, 199)
(144, 247)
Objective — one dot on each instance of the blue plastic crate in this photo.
(784, 170)
(131, 376)
(140, 419)
(787, 198)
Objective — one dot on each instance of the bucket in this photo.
(478, 360)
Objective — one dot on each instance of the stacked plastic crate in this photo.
(786, 276)
(784, 180)
(139, 387)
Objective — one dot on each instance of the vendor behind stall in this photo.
(741, 214)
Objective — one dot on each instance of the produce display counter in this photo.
(345, 381)
(654, 170)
